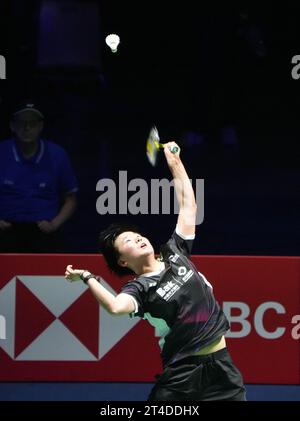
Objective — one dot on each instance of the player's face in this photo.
(132, 245)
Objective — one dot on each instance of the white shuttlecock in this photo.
(113, 41)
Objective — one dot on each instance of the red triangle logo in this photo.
(82, 319)
(32, 317)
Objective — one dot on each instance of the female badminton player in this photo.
(175, 298)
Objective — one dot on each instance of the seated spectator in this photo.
(37, 187)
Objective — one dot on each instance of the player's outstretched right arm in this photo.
(184, 191)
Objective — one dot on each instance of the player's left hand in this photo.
(73, 275)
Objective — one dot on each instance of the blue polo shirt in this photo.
(32, 189)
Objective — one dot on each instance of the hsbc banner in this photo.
(51, 330)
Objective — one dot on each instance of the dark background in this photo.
(216, 78)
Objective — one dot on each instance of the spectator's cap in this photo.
(27, 106)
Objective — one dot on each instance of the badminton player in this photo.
(175, 298)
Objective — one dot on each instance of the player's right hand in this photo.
(172, 158)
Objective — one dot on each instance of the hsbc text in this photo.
(231, 308)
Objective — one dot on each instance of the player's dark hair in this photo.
(111, 255)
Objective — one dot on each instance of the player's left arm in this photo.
(114, 304)
(184, 191)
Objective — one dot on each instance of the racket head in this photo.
(152, 146)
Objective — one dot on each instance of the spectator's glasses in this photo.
(20, 124)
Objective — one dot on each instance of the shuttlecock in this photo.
(113, 41)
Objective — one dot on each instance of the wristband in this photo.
(86, 277)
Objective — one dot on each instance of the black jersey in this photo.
(178, 302)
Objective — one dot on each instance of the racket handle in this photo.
(174, 149)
